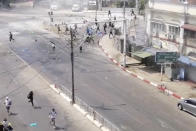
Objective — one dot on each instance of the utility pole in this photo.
(72, 67)
(97, 6)
(136, 6)
(124, 30)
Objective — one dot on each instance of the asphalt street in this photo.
(126, 101)
(17, 80)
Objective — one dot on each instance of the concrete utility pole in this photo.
(136, 6)
(182, 36)
(97, 7)
(72, 67)
(124, 30)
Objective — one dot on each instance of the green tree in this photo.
(142, 4)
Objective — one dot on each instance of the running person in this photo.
(109, 13)
(105, 27)
(8, 104)
(11, 37)
(52, 116)
(30, 97)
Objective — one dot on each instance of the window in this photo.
(190, 102)
(174, 30)
(190, 34)
(158, 27)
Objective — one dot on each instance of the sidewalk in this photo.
(182, 88)
(17, 79)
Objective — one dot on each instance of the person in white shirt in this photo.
(8, 104)
(52, 116)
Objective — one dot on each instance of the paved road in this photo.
(126, 101)
(17, 80)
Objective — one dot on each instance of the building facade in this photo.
(171, 25)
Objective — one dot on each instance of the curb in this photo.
(159, 87)
(63, 95)
(84, 113)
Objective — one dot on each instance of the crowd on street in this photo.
(5, 125)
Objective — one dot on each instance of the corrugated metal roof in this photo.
(186, 60)
(189, 27)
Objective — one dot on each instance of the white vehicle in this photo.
(76, 8)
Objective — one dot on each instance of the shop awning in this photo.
(186, 60)
(142, 54)
(189, 27)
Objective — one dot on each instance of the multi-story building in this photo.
(171, 25)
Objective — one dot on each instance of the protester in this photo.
(132, 12)
(30, 97)
(6, 125)
(8, 104)
(52, 116)
(105, 27)
(109, 13)
(11, 37)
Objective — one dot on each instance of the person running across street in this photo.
(52, 116)
(104, 27)
(8, 104)
(97, 29)
(111, 32)
(109, 13)
(11, 37)
(30, 97)
(132, 12)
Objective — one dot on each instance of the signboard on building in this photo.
(166, 57)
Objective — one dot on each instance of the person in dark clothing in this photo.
(96, 21)
(75, 26)
(110, 24)
(111, 32)
(114, 17)
(11, 37)
(132, 12)
(104, 27)
(58, 28)
(97, 29)
(30, 97)
(109, 13)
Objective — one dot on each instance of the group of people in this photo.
(111, 28)
(6, 126)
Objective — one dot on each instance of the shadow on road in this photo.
(112, 107)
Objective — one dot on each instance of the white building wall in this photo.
(170, 14)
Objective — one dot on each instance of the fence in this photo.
(90, 111)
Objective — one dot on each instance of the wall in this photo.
(191, 73)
